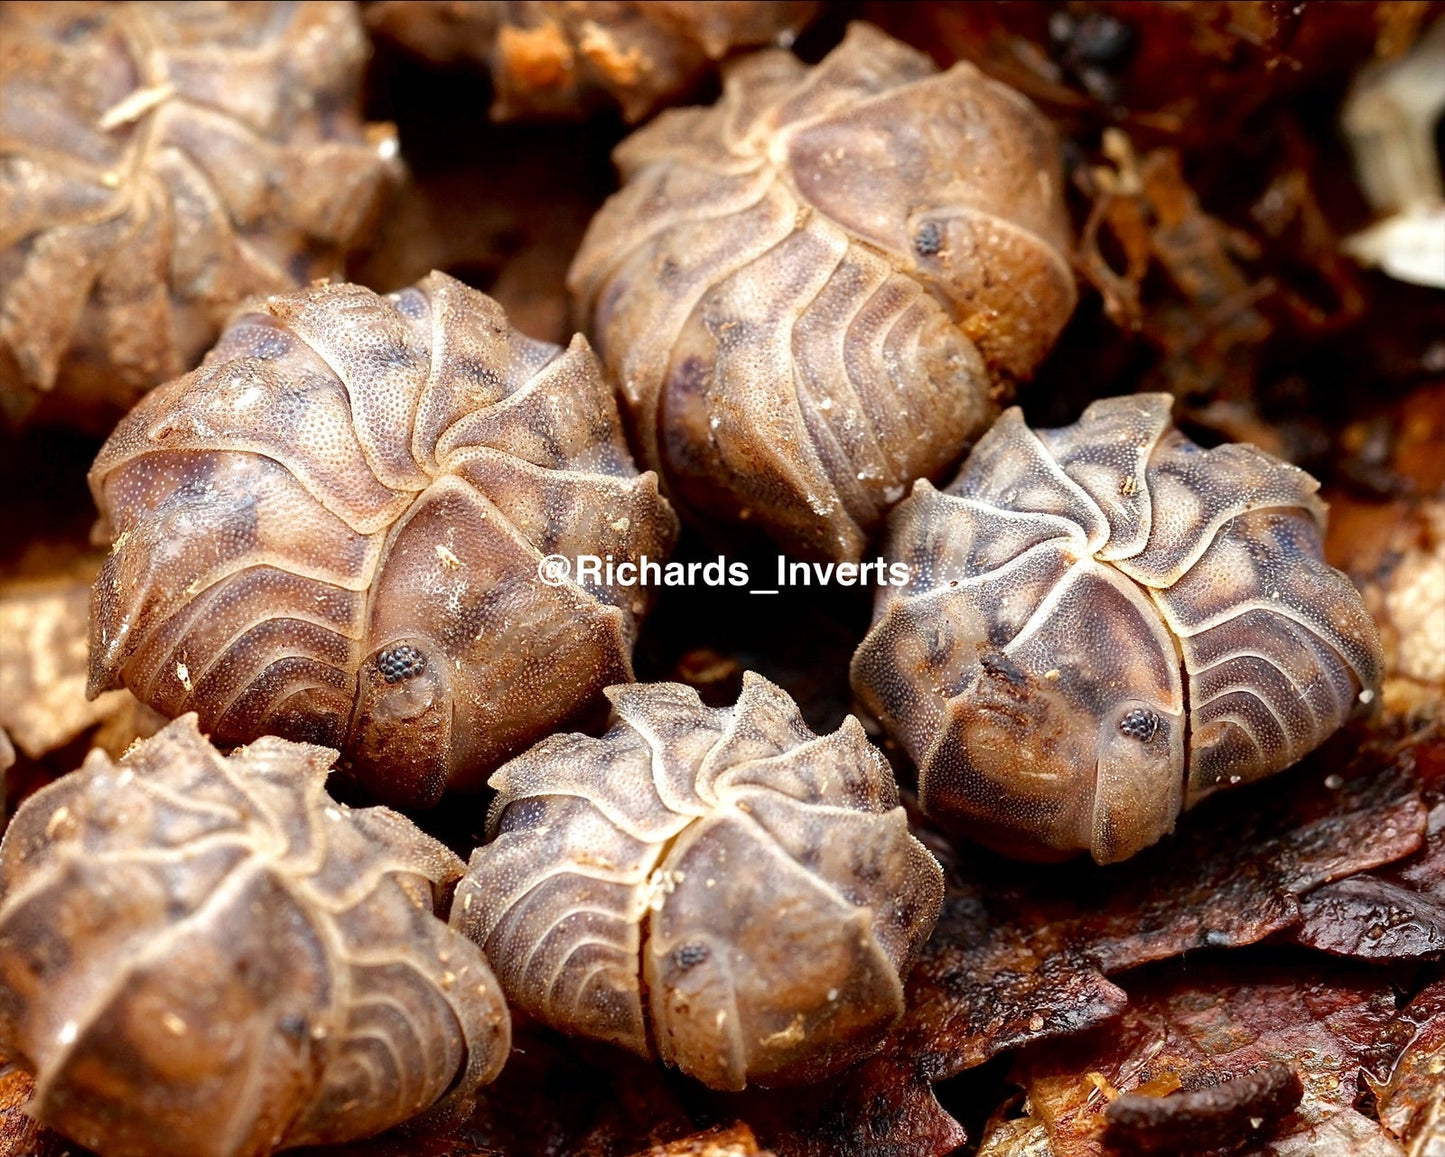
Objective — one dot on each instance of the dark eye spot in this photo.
(1140, 724)
(398, 663)
(928, 240)
(292, 1025)
(689, 956)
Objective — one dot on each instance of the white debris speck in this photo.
(787, 1036)
(183, 673)
(1408, 246)
(448, 559)
(135, 106)
(660, 885)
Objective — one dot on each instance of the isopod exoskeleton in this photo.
(209, 957)
(332, 531)
(815, 291)
(1104, 624)
(719, 888)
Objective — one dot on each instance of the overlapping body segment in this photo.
(719, 888)
(810, 291)
(1105, 623)
(331, 531)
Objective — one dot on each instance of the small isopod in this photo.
(718, 888)
(1106, 623)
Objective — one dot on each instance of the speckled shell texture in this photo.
(158, 164)
(331, 532)
(208, 957)
(813, 292)
(550, 58)
(719, 888)
(1106, 623)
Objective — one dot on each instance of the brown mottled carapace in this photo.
(817, 290)
(160, 163)
(1104, 624)
(570, 58)
(719, 888)
(331, 532)
(210, 957)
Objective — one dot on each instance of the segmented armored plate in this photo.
(331, 532)
(1105, 623)
(209, 957)
(159, 163)
(813, 292)
(719, 888)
